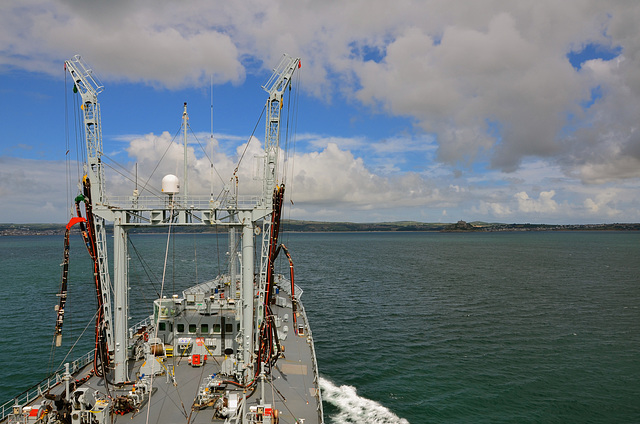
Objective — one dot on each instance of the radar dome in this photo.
(170, 184)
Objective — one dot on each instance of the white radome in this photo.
(170, 184)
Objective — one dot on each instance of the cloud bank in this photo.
(498, 85)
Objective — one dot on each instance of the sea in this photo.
(514, 327)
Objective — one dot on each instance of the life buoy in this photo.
(145, 336)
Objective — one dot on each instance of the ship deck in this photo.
(291, 388)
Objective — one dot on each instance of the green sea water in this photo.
(416, 327)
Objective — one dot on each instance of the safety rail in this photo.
(307, 329)
(203, 287)
(285, 285)
(313, 359)
(144, 324)
(202, 202)
(54, 379)
(45, 385)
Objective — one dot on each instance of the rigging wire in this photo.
(284, 400)
(67, 178)
(211, 138)
(78, 123)
(195, 255)
(286, 138)
(235, 171)
(218, 246)
(173, 264)
(125, 173)
(158, 164)
(164, 270)
(205, 153)
(291, 150)
(67, 159)
(145, 267)
(76, 342)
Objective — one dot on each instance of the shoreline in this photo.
(347, 227)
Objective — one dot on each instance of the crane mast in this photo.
(276, 85)
(87, 85)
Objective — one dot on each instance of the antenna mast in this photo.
(185, 121)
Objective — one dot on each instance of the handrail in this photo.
(43, 386)
(179, 202)
(313, 360)
(54, 379)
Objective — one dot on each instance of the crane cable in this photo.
(155, 324)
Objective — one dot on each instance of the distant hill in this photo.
(31, 229)
(320, 226)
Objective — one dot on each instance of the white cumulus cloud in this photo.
(488, 85)
(543, 204)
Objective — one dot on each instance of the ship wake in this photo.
(352, 408)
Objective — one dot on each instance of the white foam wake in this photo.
(355, 409)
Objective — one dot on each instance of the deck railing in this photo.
(54, 379)
(45, 385)
(198, 202)
(314, 362)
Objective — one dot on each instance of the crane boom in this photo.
(88, 86)
(275, 86)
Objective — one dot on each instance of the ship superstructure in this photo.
(236, 349)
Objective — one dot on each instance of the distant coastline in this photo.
(330, 227)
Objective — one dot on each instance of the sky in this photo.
(421, 110)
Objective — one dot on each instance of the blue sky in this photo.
(426, 111)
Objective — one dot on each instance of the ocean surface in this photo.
(540, 327)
